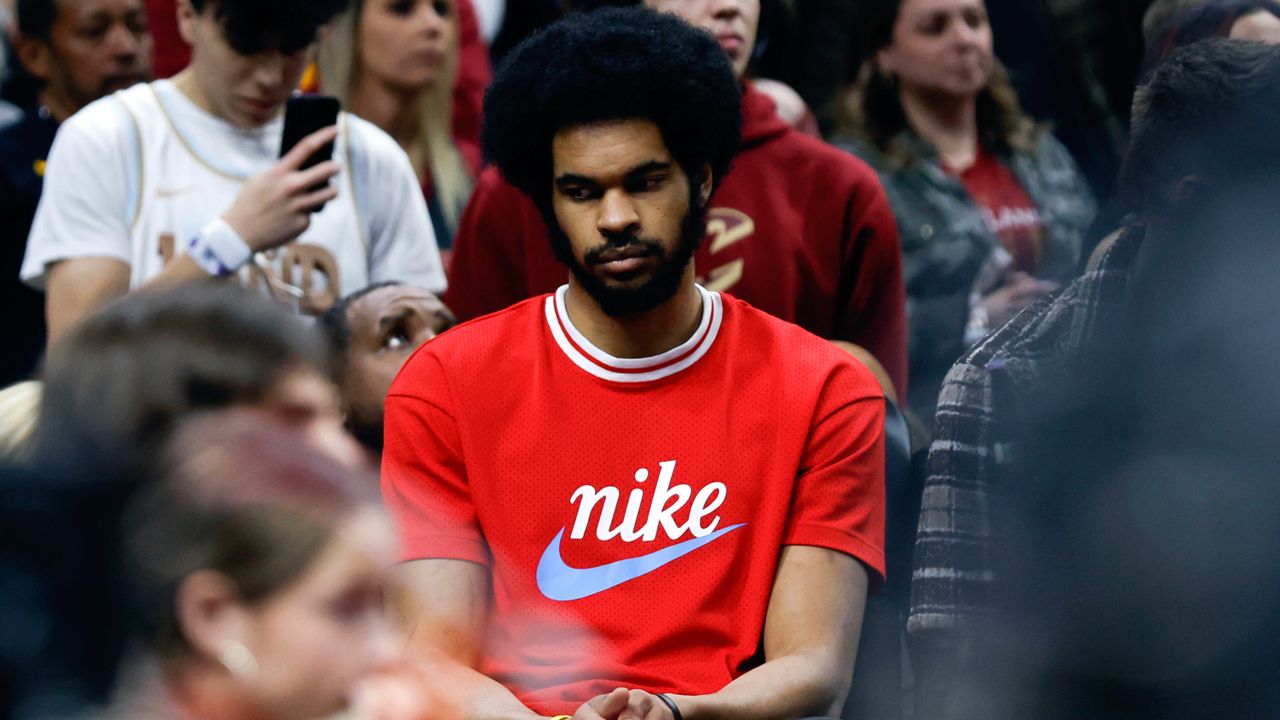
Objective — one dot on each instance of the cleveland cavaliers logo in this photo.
(725, 228)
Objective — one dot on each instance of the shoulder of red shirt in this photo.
(811, 354)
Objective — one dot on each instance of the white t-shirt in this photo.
(134, 176)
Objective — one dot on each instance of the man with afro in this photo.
(799, 229)
(633, 497)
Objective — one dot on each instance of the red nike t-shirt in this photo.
(1010, 213)
(631, 511)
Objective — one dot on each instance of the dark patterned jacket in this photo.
(946, 243)
(982, 400)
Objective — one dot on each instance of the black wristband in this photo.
(671, 705)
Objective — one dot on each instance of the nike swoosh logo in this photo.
(172, 192)
(560, 582)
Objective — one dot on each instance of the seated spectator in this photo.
(990, 208)
(633, 382)
(185, 181)
(1146, 566)
(79, 52)
(1198, 128)
(799, 229)
(114, 391)
(172, 55)
(121, 382)
(791, 108)
(394, 63)
(1200, 19)
(373, 333)
(256, 573)
(1250, 20)
(1244, 20)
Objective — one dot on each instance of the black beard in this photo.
(662, 284)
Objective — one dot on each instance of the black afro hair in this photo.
(256, 26)
(612, 64)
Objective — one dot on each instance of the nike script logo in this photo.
(560, 582)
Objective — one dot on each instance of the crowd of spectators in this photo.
(639, 359)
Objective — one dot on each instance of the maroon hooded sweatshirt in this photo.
(798, 229)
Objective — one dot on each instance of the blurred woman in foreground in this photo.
(115, 390)
(257, 570)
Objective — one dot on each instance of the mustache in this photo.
(625, 246)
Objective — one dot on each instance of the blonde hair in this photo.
(339, 65)
(19, 411)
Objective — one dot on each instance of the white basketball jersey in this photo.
(186, 167)
(190, 175)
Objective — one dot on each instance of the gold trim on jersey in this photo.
(351, 186)
(142, 166)
(183, 140)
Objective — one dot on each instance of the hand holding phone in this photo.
(303, 116)
(275, 206)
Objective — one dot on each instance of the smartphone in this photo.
(303, 115)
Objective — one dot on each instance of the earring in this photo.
(237, 659)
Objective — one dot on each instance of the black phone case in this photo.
(303, 115)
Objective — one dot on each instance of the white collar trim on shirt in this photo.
(587, 356)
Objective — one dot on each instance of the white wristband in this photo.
(218, 249)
